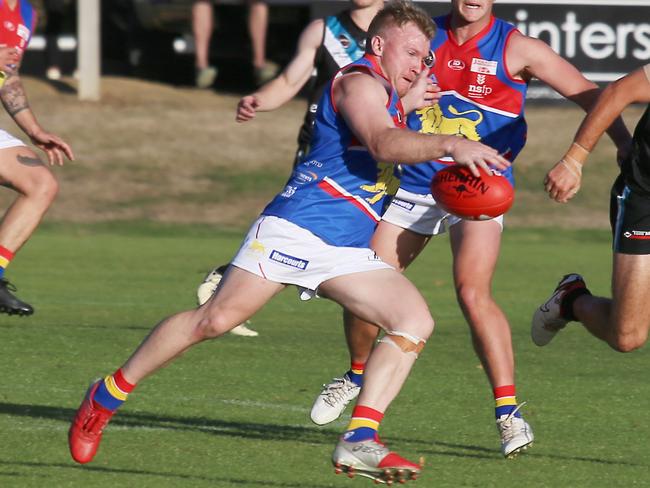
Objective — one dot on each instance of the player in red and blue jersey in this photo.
(20, 168)
(483, 66)
(19, 21)
(358, 125)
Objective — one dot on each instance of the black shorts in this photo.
(629, 215)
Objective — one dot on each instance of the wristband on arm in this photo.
(575, 158)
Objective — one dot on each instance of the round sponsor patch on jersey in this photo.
(456, 64)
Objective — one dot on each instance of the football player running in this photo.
(622, 321)
(21, 170)
(360, 122)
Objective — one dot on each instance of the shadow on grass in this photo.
(62, 86)
(261, 431)
(11, 474)
(142, 472)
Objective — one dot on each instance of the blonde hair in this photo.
(400, 12)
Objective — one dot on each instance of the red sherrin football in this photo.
(460, 193)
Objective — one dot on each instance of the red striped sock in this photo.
(121, 382)
(505, 398)
(357, 367)
(356, 372)
(5, 258)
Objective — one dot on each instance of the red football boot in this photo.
(85, 433)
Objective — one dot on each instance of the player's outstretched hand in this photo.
(55, 147)
(474, 154)
(423, 93)
(562, 182)
(247, 108)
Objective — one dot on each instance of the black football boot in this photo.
(9, 304)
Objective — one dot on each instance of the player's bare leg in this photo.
(228, 307)
(624, 321)
(397, 247)
(405, 317)
(22, 171)
(475, 247)
(209, 286)
(258, 20)
(202, 26)
(169, 339)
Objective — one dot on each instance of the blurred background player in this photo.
(258, 23)
(202, 28)
(20, 168)
(483, 66)
(324, 46)
(55, 13)
(622, 321)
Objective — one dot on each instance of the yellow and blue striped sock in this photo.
(364, 424)
(356, 372)
(113, 391)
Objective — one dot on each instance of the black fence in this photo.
(150, 38)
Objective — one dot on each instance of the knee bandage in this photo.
(406, 343)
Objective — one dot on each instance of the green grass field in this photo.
(234, 412)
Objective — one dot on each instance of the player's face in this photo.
(470, 11)
(402, 55)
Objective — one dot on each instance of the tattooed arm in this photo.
(14, 100)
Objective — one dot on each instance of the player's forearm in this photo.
(14, 100)
(616, 128)
(409, 147)
(276, 93)
(13, 95)
(604, 117)
(26, 120)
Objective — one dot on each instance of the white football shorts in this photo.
(421, 214)
(7, 140)
(283, 252)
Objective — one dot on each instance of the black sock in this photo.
(566, 307)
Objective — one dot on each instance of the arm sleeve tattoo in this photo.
(13, 95)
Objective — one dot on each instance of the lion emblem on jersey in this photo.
(463, 124)
(387, 183)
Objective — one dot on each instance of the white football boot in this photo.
(333, 399)
(207, 289)
(372, 459)
(547, 320)
(516, 434)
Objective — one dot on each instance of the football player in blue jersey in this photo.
(360, 125)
